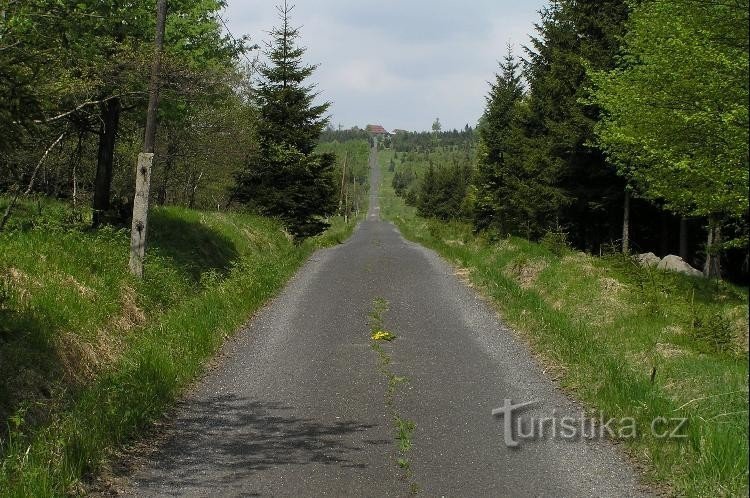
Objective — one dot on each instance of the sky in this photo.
(402, 63)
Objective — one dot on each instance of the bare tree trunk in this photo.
(110, 115)
(626, 223)
(74, 168)
(683, 238)
(194, 190)
(161, 195)
(712, 268)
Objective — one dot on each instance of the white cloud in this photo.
(396, 62)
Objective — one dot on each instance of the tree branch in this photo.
(13, 201)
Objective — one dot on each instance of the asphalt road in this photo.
(297, 406)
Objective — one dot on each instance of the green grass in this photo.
(89, 356)
(602, 325)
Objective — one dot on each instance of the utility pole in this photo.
(146, 158)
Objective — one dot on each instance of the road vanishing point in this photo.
(300, 404)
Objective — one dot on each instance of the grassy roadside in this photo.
(605, 326)
(89, 355)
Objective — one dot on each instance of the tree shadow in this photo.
(193, 247)
(29, 365)
(220, 442)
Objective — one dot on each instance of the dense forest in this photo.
(624, 127)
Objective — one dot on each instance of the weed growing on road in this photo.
(404, 427)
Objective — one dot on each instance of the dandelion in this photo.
(382, 335)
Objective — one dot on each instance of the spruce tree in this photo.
(558, 131)
(494, 128)
(428, 192)
(286, 178)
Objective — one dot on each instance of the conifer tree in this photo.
(574, 35)
(494, 128)
(286, 178)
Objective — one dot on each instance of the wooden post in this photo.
(146, 158)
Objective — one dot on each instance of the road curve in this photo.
(300, 405)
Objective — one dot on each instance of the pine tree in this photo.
(574, 35)
(494, 128)
(427, 194)
(286, 178)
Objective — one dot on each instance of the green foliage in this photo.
(556, 241)
(537, 168)
(441, 192)
(712, 327)
(81, 68)
(424, 141)
(285, 178)
(355, 177)
(676, 114)
(493, 188)
(437, 182)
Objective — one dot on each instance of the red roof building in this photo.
(376, 130)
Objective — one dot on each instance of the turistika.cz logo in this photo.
(517, 428)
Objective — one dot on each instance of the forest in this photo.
(623, 127)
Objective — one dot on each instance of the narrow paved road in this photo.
(299, 407)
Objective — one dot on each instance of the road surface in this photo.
(300, 405)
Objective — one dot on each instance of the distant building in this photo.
(377, 130)
(378, 134)
(396, 131)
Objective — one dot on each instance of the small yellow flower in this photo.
(382, 335)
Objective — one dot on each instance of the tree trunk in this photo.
(663, 234)
(683, 238)
(626, 224)
(712, 268)
(110, 116)
(161, 195)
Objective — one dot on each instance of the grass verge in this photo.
(626, 340)
(89, 356)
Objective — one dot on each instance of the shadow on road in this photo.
(226, 438)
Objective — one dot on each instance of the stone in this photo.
(648, 259)
(677, 264)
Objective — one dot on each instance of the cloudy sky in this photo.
(399, 63)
